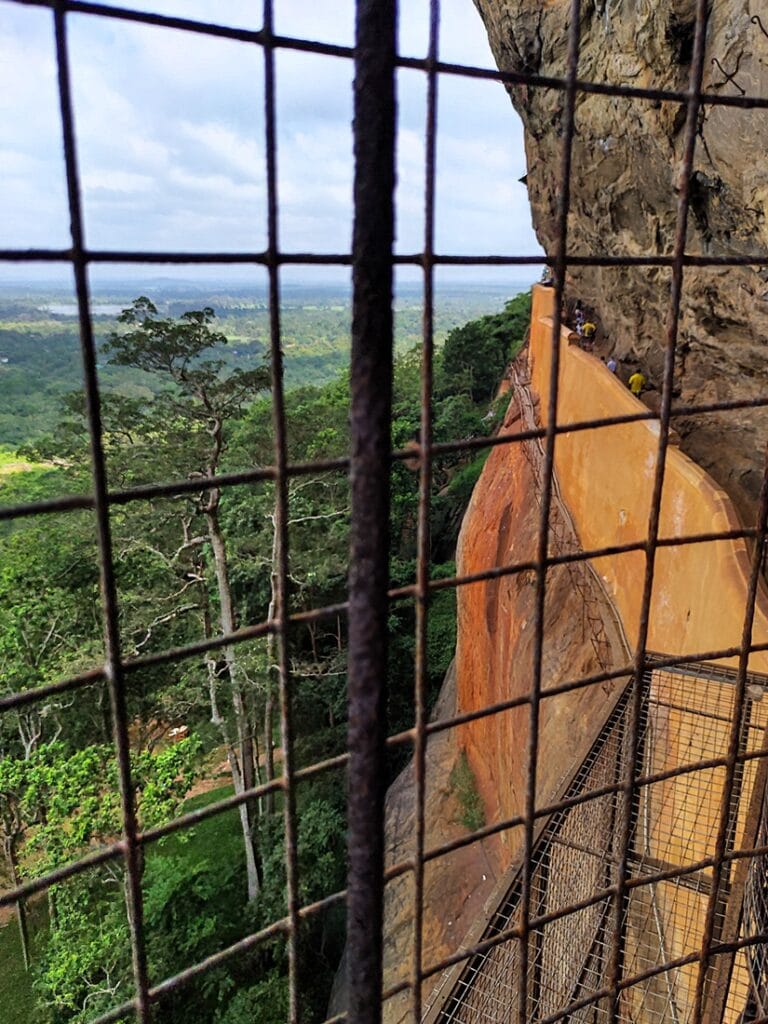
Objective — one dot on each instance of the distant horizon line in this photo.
(240, 285)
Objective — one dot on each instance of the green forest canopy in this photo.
(189, 567)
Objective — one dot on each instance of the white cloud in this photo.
(170, 131)
(227, 146)
(117, 181)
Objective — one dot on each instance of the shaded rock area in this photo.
(456, 886)
(626, 159)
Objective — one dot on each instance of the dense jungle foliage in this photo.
(188, 567)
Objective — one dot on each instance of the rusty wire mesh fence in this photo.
(577, 856)
(635, 874)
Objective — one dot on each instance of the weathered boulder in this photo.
(626, 159)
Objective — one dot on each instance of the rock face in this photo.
(496, 632)
(626, 159)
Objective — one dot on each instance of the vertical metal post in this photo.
(423, 534)
(133, 857)
(370, 417)
(281, 567)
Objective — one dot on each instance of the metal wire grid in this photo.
(756, 922)
(373, 260)
(674, 828)
(488, 988)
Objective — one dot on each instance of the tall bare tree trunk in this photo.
(269, 703)
(252, 855)
(245, 777)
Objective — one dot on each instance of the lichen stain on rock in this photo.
(626, 158)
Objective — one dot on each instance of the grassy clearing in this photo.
(9, 460)
(15, 466)
(17, 1000)
(215, 839)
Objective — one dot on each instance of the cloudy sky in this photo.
(170, 130)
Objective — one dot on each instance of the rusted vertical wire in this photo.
(281, 524)
(542, 552)
(734, 742)
(673, 319)
(370, 420)
(425, 488)
(113, 668)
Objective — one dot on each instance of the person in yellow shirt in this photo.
(588, 335)
(636, 383)
(588, 330)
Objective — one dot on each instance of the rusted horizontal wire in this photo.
(24, 697)
(262, 38)
(191, 257)
(260, 258)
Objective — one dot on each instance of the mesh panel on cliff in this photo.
(619, 872)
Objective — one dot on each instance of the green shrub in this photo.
(463, 784)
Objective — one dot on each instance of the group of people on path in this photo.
(586, 329)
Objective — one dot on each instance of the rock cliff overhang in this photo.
(626, 158)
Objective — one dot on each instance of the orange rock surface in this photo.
(605, 481)
(606, 477)
(495, 650)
